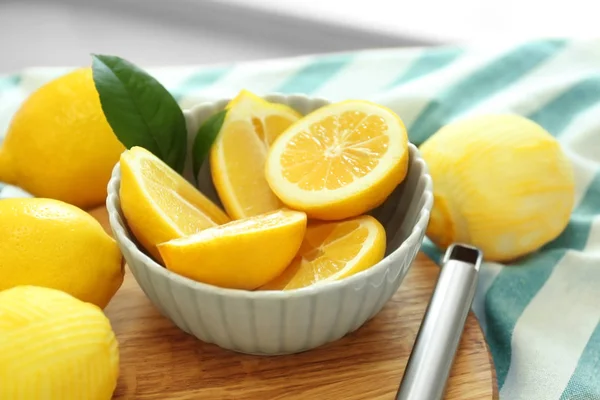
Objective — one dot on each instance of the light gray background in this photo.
(168, 32)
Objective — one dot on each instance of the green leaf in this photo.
(207, 133)
(140, 111)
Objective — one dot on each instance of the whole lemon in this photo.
(49, 243)
(501, 183)
(55, 347)
(59, 144)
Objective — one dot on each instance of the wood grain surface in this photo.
(159, 361)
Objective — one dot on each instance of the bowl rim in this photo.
(357, 280)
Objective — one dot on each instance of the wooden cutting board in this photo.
(159, 361)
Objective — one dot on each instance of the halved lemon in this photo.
(159, 204)
(332, 251)
(339, 161)
(238, 155)
(242, 254)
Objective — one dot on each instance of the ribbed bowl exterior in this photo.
(272, 322)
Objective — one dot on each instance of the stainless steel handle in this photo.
(433, 354)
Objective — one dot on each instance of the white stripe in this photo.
(258, 77)
(33, 78)
(174, 77)
(581, 143)
(8, 192)
(593, 244)
(582, 137)
(367, 74)
(584, 172)
(567, 67)
(410, 99)
(10, 101)
(487, 275)
(554, 329)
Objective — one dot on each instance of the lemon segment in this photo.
(242, 254)
(238, 155)
(53, 346)
(332, 251)
(340, 161)
(159, 204)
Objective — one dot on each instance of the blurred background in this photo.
(170, 32)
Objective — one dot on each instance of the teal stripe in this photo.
(431, 250)
(311, 77)
(198, 81)
(506, 299)
(9, 82)
(585, 381)
(559, 112)
(481, 84)
(430, 61)
(576, 233)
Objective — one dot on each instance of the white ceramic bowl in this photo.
(272, 322)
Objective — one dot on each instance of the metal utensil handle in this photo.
(435, 347)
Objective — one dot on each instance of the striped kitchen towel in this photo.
(540, 315)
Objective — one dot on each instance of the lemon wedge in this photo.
(242, 254)
(238, 155)
(339, 161)
(332, 251)
(159, 204)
